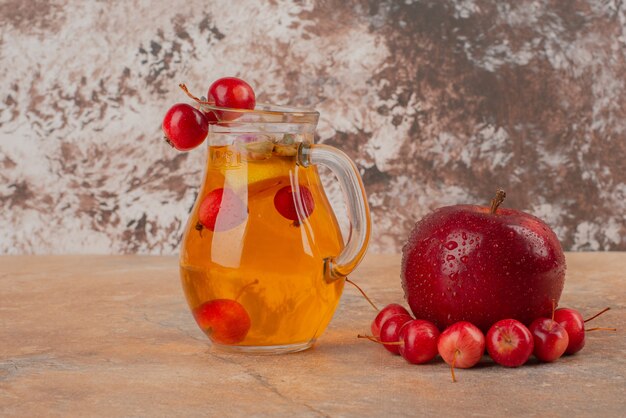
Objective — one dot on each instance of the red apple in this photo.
(482, 264)
(573, 322)
(550, 339)
(509, 343)
(225, 321)
(419, 341)
(384, 314)
(461, 345)
(222, 210)
(390, 331)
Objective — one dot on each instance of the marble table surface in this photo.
(112, 336)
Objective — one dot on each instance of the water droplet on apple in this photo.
(450, 257)
(464, 259)
(451, 245)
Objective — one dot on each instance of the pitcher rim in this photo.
(266, 109)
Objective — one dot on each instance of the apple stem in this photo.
(199, 228)
(199, 101)
(598, 314)
(497, 201)
(600, 329)
(452, 368)
(363, 293)
(168, 141)
(376, 340)
(255, 281)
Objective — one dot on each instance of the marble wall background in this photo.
(437, 101)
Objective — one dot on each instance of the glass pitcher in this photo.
(263, 261)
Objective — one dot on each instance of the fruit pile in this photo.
(509, 342)
(481, 274)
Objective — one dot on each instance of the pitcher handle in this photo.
(358, 210)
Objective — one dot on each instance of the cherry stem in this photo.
(256, 281)
(600, 329)
(452, 368)
(186, 90)
(497, 201)
(376, 340)
(363, 293)
(553, 308)
(598, 314)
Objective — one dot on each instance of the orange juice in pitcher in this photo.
(263, 261)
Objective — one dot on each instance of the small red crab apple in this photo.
(221, 210)
(461, 345)
(287, 203)
(185, 127)
(231, 92)
(390, 331)
(384, 314)
(419, 341)
(414, 339)
(550, 339)
(574, 324)
(509, 343)
(225, 321)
